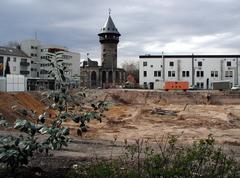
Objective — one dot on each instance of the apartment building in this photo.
(14, 61)
(198, 70)
(40, 66)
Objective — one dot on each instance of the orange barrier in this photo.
(176, 86)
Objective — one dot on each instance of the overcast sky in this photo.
(146, 26)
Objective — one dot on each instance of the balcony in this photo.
(23, 63)
(24, 72)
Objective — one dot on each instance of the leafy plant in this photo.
(17, 150)
(200, 159)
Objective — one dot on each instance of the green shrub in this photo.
(200, 159)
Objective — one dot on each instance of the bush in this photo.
(201, 159)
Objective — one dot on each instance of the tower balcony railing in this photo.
(109, 38)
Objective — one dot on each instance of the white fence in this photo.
(15, 83)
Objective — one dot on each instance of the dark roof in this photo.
(12, 52)
(190, 56)
(109, 27)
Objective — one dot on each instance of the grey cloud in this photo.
(75, 23)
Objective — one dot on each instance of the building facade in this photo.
(14, 61)
(108, 74)
(40, 66)
(198, 70)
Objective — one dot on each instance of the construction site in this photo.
(133, 114)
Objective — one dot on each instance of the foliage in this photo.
(17, 150)
(61, 99)
(131, 67)
(201, 159)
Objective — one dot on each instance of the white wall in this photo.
(15, 83)
(154, 64)
(181, 64)
(3, 84)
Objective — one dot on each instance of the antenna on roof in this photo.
(35, 33)
(109, 11)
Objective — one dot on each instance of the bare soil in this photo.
(130, 117)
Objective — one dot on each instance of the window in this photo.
(14, 59)
(200, 85)
(14, 68)
(229, 73)
(229, 64)
(171, 73)
(171, 63)
(214, 73)
(144, 63)
(185, 73)
(199, 63)
(157, 73)
(145, 73)
(151, 66)
(200, 74)
(32, 47)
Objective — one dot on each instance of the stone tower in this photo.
(109, 38)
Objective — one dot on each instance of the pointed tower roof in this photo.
(109, 27)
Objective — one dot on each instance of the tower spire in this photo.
(109, 11)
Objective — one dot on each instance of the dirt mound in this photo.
(11, 105)
(161, 97)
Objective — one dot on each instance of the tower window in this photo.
(229, 63)
(144, 63)
(171, 63)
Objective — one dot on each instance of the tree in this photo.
(132, 68)
(16, 151)
(7, 69)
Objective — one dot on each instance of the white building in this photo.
(19, 63)
(40, 66)
(15, 67)
(198, 70)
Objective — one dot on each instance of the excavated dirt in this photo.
(130, 117)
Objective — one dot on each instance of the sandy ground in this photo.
(130, 117)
